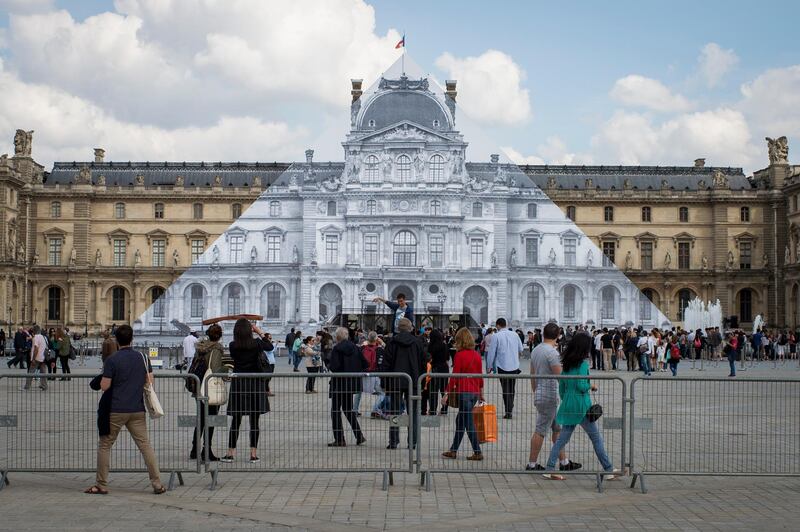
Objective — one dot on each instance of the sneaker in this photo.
(254, 459)
(227, 459)
(571, 466)
(553, 476)
(535, 467)
(614, 475)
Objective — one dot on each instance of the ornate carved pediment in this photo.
(609, 236)
(235, 230)
(331, 229)
(683, 237)
(157, 234)
(477, 232)
(405, 131)
(274, 230)
(55, 232)
(197, 234)
(119, 234)
(569, 233)
(530, 233)
(647, 236)
(404, 83)
(745, 236)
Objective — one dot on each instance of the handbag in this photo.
(485, 418)
(151, 402)
(452, 400)
(594, 413)
(215, 389)
(73, 353)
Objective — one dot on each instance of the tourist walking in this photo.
(125, 374)
(645, 346)
(37, 362)
(289, 343)
(64, 351)
(504, 351)
(730, 353)
(345, 358)
(313, 362)
(469, 391)
(297, 357)
(404, 354)
(189, 343)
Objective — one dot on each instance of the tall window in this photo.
(53, 303)
(436, 169)
(476, 252)
(120, 252)
(646, 214)
(371, 250)
(372, 207)
(55, 209)
(404, 169)
(273, 248)
(234, 299)
(683, 214)
(237, 249)
(331, 249)
(197, 211)
(607, 303)
(159, 252)
(198, 247)
(645, 304)
(436, 207)
(436, 244)
(372, 171)
(571, 212)
(608, 213)
(273, 301)
(569, 302)
(609, 251)
(531, 211)
(531, 251)
(119, 211)
(158, 211)
(744, 214)
(646, 258)
(331, 208)
(533, 297)
(405, 249)
(570, 251)
(236, 210)
(746, 305)
(477, 209)
(54, 251)
(196, 301)
(157, 299)
(745, 255)
(684, 296)
(274, 209)
(117, 303)
(683, 255)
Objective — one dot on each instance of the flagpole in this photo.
(403, 57)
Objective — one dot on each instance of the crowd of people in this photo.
(41, 351)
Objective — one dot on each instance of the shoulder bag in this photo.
(151, 402)
(214, 387)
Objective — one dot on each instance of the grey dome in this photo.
(395, 106)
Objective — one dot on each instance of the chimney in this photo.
(309, 156)
(450, 96)
(99, 155)
(699, 163)
(495, 158)
(356, 91)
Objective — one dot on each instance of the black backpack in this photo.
(198, 369)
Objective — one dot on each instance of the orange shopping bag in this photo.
(485, 417)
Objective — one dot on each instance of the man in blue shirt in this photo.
(504, 350)
(401, 309)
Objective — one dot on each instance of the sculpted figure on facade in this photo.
(667, 260)
(628, 261)
(589, 258)
(493, 258)
(137, 258)
(778, 150)
(253, 255)
(35, 257)
(217, 180)
(551, 182)
(787, 255)
(215, 255)
(101, 180)
(765, 259)
(98, 257)
(84, 176)
(552, 256)
(21, 252)
(295, 255)
(720, 179)
(73, 257)
(730, 259)
(140, 180)
(22, 143)
(257, 181)
(512, 260)
(704, 261)
(313, 255)
(386, 161)
(175, 258)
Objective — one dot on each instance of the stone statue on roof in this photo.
(22, 143)
(551, 182)
(140, 180)
(778, 150)
(257, 181)
(101, 180)
(84, 176)
(720, 179)
(179, 181)
(217, 180)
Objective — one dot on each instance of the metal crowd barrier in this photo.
(714, 426)
(55, 430)
(294, 434)
(509, 454)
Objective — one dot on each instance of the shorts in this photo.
(546, 418)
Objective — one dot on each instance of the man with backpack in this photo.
(673, 355)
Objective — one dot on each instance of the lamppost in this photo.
(8, 318)
(86, 322)
(362, 296)
(442, 298)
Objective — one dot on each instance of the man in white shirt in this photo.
(646, 347)
(38, 348)
(189, 347)
(504, 351)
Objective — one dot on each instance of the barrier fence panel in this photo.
(295, 433)
(714, 426)
(510, 452)
(55, 430)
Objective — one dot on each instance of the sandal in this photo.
(159, 490)
(96, 490)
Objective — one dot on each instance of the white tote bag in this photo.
(151, 402)
(216, 390)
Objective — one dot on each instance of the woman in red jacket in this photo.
(469, 390)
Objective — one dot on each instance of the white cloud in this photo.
(553, 151)
(639, 91)
(772, 102)
(490, 87)
(722, 136)
(714, 62)
(517, 158)
(26, 6)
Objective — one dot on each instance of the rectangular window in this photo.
(55, 252)
(745, 255)
(198, 247)
(159, 252)
(331, 249)
(237, 248)
(476, 252)
(197, 211)
(683, 255)
(273, 248)
(371, 250)
(158, 211)
(197, 302)
(570, 251)
(273, 302)
(645, 308)
(646, 255)
(533, 301)
(531, 251)
(608, 254)
(120, 252)
(436, 243)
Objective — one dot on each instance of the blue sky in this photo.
(571, 59)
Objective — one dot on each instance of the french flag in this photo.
(401, 43)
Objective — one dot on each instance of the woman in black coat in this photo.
(248, 396)
(439, 355)
(345, 357)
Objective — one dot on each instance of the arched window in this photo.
(158, 211)
(118, 303)
(646, 214)
(331, 208)
(534, 296)
(372, 171)
(608, 213)
(436, 207)
(532, 211)
(569, 305)
(404, 169)
(274, 209)
(744, 214)
(683, 214)
(607, 307)
(405, 249)
(746, 305)
(55, 209)
(372, 207)
(157, 300)
(236, 210)
(196, 301)
(477, 209)
(234, 299)
(684, 296)
(119, 211)
(54, 303)
(273, 303)
(436, 169)
(645, 304)
(571, 212)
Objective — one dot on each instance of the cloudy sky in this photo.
(257, 80)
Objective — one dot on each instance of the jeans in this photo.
(310, 380)
(236, 422)
(732, 362)
(644, 362)
(296, 361)
(342, 402)
(673, 367)
(465, 422)
(593, 432)
(136, 424)
(508, 386)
